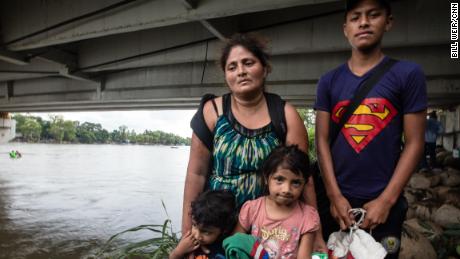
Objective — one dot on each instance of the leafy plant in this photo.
(164, 240)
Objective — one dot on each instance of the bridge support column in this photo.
(7, 127)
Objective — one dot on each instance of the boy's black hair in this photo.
(287, 157)
(351, 4)
(215, 208)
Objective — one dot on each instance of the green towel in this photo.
(243, 246)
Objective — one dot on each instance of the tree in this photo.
(132, 137)
(35, 128)
(57, 129)
(123, 133)
(45, 124)
(85, 134)
(31, 129)
(70, 130)
(88, 132)
(102, 136)
(20, 120)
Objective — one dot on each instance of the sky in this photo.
(171, 121)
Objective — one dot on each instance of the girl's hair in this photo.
(253, 43)
(287, 157)
(215, 208)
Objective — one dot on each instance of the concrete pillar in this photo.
(7, 127)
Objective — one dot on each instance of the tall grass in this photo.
(163, 241)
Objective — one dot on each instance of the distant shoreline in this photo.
(108, 143)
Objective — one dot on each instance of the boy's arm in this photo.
(306, 245)
(414, 130)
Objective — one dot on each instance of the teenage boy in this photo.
(366, 167)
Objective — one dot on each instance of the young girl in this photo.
(281, 220)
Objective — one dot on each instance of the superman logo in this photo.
(369, 119)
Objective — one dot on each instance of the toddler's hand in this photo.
(187, 244)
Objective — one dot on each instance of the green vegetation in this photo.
(308, 117)
(59, 130)
(163, 241)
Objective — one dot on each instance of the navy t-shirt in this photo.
(368, 147)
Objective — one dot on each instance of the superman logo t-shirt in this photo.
(368, 146)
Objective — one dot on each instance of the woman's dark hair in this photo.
(287, 157)
(215, 208)
(253, 43)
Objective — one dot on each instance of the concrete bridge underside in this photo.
(65, 55)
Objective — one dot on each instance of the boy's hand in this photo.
(187, 244)
(339, 210)
(377, 211)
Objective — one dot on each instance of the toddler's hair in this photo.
(215, 208)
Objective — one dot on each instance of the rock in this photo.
(435, 180)
(427, 228)
(414, 245)
(441, 193)
(419, 181)
(446, 215)
(425, 211)
(410, 213)
(415, 195)
(453, 197)
(450, 178)
(409, 195)
(441, 156)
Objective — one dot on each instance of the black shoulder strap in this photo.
(226, 107)
(276, 110)
(359, 96)
(198, 124)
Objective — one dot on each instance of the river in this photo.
(65, 201)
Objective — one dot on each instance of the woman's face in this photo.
(244, 72)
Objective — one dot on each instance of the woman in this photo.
(242, 132)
